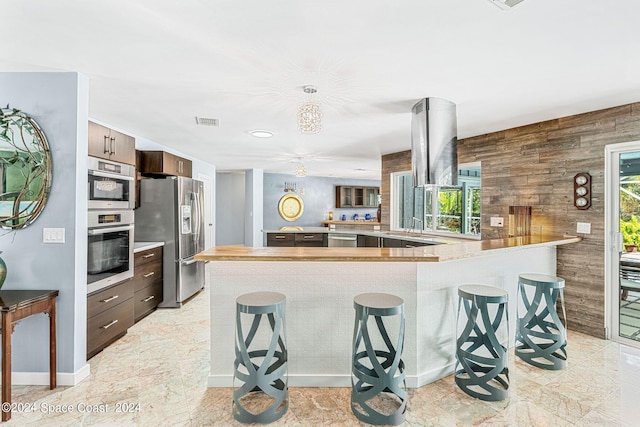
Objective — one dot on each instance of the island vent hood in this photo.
(434, 143)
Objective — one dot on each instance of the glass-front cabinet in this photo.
(357, 197)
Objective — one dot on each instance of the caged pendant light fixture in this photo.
(309, 114)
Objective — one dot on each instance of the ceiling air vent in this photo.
(202, 121)
(505, 4)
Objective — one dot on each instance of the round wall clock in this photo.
(290, 207)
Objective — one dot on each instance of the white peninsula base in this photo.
(320, 314)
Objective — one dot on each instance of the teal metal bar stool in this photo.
(482, 365)
(541, 337)
(261, 359)
(378, 387)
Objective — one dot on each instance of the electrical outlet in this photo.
(584, 227)
(497, 221)
(53, 235)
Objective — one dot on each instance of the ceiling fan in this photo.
(505, 4)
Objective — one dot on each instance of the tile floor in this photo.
(160, 370)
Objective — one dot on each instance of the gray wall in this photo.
(319, 198)
(253, 218)
(230, 194)
(59, 103)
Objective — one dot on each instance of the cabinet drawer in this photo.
(109, 324)
(309, 237)
(147, 274)
(146, 300)
(280, 239)
(150, 255)
(110, 297)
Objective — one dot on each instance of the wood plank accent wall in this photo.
(535, 165)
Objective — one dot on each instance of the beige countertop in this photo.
(457, 249)
(350, 222)
(143, 246)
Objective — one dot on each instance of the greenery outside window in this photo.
(435, 209)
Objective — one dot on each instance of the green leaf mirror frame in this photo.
(25, 169)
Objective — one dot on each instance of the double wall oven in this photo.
(110, 191)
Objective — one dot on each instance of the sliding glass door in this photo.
(622, 258)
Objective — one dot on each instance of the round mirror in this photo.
(25, 169)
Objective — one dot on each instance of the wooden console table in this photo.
(15, 306)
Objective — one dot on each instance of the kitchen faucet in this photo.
(413, 224)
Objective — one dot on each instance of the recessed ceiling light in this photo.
(261, 133)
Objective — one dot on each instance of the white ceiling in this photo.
(154, 65)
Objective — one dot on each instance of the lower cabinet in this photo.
(111, 311)
(297, 239)
(147, 281)
(109, 315)
(365, 241)
(311, 239)
(412, 244)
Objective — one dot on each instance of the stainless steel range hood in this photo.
(434, 143)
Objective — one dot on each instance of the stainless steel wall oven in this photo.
(109, 249)
(110, 185)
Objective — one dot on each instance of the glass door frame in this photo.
(613, 239)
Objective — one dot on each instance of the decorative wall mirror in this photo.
(25, 169)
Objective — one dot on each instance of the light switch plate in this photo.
(53, 235)
(497, 221)
(584, 227)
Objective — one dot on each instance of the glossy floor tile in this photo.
(157, 376)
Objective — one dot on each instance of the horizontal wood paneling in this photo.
(534, 165)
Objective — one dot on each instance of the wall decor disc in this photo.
(290, 207)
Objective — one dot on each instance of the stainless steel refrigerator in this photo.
(171, 211)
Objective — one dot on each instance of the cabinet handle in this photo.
(148, 298)
(110, 299)
(280, 237)
(110, 324)
(149, 274)
(309, 236)
(148, 256)
(112, 146)
(409, 246)
(106, 148)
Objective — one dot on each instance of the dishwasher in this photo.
(342, 240)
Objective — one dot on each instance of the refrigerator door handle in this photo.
(189, 262)
(200, 215)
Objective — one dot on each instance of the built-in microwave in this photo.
(109, 248)
(110, 185)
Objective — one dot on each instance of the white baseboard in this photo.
(42, 378)
(413, 381)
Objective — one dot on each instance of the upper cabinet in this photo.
(161, 163)
(112, 145)
(356, 197)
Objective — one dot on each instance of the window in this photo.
(438, 209)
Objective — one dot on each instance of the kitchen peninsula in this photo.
(320, 284)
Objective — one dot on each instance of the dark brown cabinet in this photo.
(365, 241)
(109, 315)
(356, 197)
(161, 163)
(368, 241)
(112, 145)
(147, 281)
(311, 239)
(412, 244)
(281, 239)
(297, 239)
